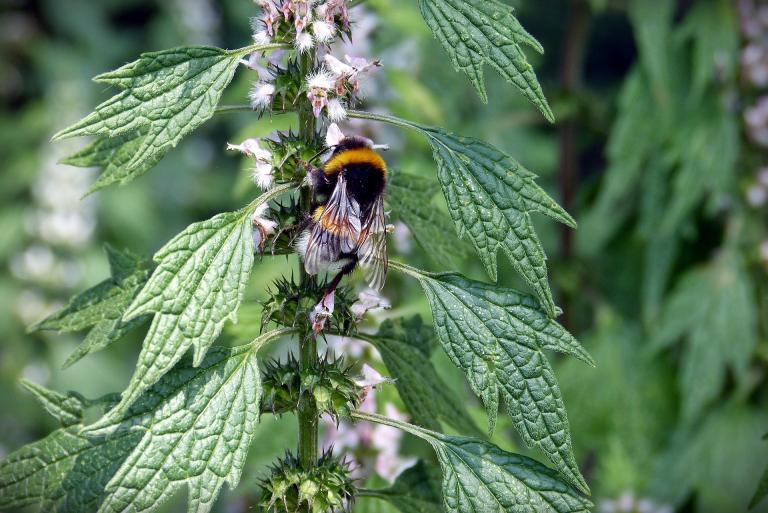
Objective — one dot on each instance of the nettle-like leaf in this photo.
(194, 426)
(490, 197)
(417, 490)
(480, 477)
(197, 286)
(411, 198)
(113, 154)
(713, 307)
(67, 409)
(405, 349)
(498, 336)
(479, 32)
(102, 306)
(166, 95)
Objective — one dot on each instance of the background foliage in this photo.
(655, 152)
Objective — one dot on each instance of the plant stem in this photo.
(307, 412)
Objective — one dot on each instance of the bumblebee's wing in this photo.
(336, 231)
(372, 250)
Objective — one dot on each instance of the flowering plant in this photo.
(190, 419)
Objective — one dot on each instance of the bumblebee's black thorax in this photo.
(364, 171)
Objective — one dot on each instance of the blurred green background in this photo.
(659, 152)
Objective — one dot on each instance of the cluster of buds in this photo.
(335, 84)
(290, 304)
(326, 384)
(326, 487)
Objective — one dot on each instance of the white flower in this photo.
(370, 378)
(336, 110)
(262, 226)
(338, 68)
(333, 136)
(322, 311)
(319, 83)
(323, 31)
(263, 175)
(263, 172)
(304, 42)
(261, 37)
(764, 250)
(757, 196)
(251, 148)
(261, 95)
(368, 300)
(321, 79)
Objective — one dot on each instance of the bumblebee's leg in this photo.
(347, 269)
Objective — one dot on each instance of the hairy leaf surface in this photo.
(490, 197)
(168, 93)
(192, 427)
(497, 336)
(102, 306)
(67, 409)
(480, 477)
(404, 348)
(479, 32)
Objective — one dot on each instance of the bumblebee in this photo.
(347, 226)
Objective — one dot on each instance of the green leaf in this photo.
(194, 426)
(168, 93)
(761, 492)
(67, 409)
(402, 345)
(652, 23)
(708, 149)
(490, 197)
(102, 306)
(197, 286)
(480, 477)
(713, 27)
(713, 307)
(719, 460)
(65, 472)
(497, 336)
(417, 490)
(113, 155)
(479, 32)
(634, 136)
(412, 198)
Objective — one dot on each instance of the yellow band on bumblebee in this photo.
(355, 156)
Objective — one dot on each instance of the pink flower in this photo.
(322, 311)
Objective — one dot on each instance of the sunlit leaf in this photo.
(168, 94)
(498, 336)
(479, 32)
(197, 286)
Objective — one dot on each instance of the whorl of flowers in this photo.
(307, 25)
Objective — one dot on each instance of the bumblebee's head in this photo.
(352, 143)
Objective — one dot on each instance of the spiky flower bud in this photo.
(325, 488)
(328, 384)
(292, 304)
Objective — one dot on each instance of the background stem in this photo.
(570, 76)
(307, 412)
